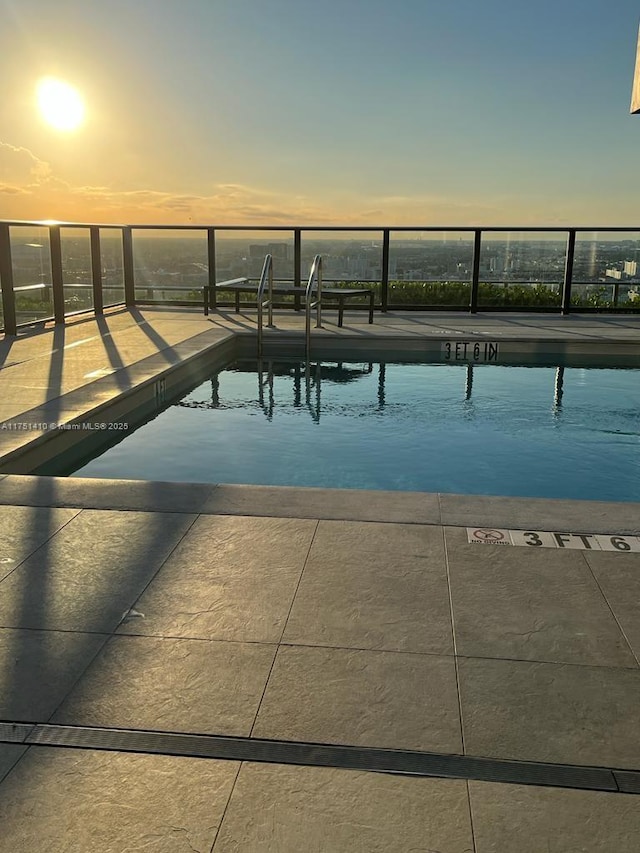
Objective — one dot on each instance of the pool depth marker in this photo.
(553, 539)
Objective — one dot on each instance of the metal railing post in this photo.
(210, 297)
(6, 282)
(57, 280)
(96, 270)
(568, 273)
(127, 264)
(475, 273)
(384, 284)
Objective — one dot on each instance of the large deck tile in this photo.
(237, 540)
(530, 819)
(349, 539)
(362, 698)
(530, 604)
(357, 598)
(23, 529)
(280, 809)
(230, 579)
(38, 668)
(619, 577)
(550, 712)
(83, 801)
(91, 572)
(172, 685)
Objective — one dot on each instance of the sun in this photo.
(60, 104)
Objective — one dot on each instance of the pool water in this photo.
(484, 429)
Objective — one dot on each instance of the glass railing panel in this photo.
(75, 244)
(112, 266)
(170, 265)
(606, 270)
(349, 259)
(240, 254)
(31, 262)
(522, 269)
(430, 268)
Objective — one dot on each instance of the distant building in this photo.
(630, 267)
(611, 273)
(279, 251)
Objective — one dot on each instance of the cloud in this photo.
(31, 191)
(7, 189)
(21, 167)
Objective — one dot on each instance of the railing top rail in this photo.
(51, 223)
(560, 229)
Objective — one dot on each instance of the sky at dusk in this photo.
(345, 112)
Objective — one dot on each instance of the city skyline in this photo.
(352, 113)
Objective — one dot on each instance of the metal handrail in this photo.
(266, 278)
(314, 276)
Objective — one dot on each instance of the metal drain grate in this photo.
(628, 781)
(324, 755)
(15, 732)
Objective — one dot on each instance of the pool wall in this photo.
(450, 348)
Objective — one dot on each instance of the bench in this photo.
(242, 285)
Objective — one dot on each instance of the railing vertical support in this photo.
(297, 264)
(96, 270)
(210, 299)
(384, 284)
(127, 264)
(568, 273)
(57, 280)
(6, 282)
(475, 272)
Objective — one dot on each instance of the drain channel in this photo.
(323, 755)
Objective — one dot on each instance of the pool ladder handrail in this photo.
(266, 280)
(314, 276)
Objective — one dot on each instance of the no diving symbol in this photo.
(489, 535)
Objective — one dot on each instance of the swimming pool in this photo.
(473, 429)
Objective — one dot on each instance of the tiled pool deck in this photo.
(304, 616)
